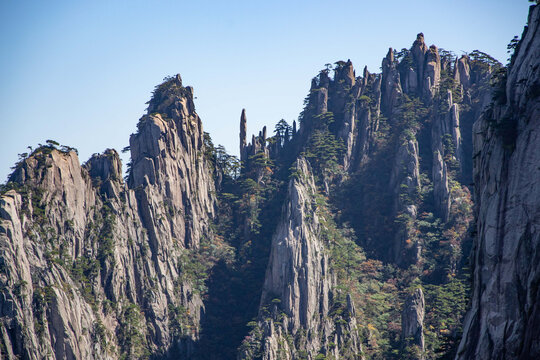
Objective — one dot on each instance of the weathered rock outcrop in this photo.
(391, 83)
(243, 134)
(463, 72)
(503, 322)
(418, 50)
(445, 143)
(344, 100)
(298, 268)
(432, 72)
(300, 287)
(90, 265)
(326, 225)
(412, 325)
(168, 168)
(405, 185)
(35, 287)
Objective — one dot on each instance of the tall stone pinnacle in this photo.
(243, 130)
(366, 75)
(390, 55)
(418, 51)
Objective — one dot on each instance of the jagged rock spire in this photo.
(432, 72)
(299, 275)
(419, 43)
(345, 71)
(243, 131)
(463, 71)
(324, 79)
(366, 76)
(418, 51)
(390, 56)
(314, 83)
(391, 83)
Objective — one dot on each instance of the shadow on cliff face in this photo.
(229, 307)
(232, 300)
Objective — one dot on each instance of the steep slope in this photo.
(93, 268)
(503, 322)
(345, 237)
(390, 155)
(301, 306)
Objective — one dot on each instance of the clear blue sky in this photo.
(80, 72)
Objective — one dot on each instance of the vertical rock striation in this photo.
(503, 322)
(90, 265)
(405, 185)
(412, 325)
(445, 143)
(169, 168)
(243, 132)
(93, 266)
(300, 287)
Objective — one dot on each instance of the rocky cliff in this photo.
(503, 322)
(94, 268)
(391, 154)
(412, 325)
(300, 298)
(343, 236)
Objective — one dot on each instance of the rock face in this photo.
(445, 142)
(91, 265)
(243, 130)
(344, 100)
(405, 184)
(504, 316)
(168, 163)
(418, 52)
(326, 224)
(29, 296)
(412, 324)
(402, 134)
(300, 287)
(391, 82)
(421, 72)
(297, 257)
(432, 72)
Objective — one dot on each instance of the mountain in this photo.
(97, 267)
(503, 322)
(397, 219)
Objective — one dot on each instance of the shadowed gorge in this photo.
(396, 219)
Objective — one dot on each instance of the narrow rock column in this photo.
(243, 131)
(432, 73)
(418, 51)
(412, 326)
